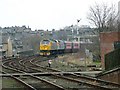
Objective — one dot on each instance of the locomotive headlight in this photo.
(41, 53)
(48, 53)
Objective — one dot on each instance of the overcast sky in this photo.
(46, 14)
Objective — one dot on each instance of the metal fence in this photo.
(112, 59)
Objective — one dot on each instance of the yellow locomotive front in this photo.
(45, 47)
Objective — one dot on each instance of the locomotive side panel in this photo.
(61, 47)
(54, 47)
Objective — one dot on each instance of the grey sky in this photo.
(45, 14)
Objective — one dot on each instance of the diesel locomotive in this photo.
(53, 47)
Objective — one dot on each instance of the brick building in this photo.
(107, 40)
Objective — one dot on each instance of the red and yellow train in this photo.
(53, 47)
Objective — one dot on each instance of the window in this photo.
(45, 42)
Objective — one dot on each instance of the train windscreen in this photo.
(45, 42)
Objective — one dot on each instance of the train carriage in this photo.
(68, 46)
(75, 47)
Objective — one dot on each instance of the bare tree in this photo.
(103, 16)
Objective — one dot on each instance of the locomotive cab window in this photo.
(45, 42)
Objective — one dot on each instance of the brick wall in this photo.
(107, 40)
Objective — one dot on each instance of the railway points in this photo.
(19, 66)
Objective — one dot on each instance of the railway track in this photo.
(78, 81)
(35, 83)
(27, 86)
(93, 81)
